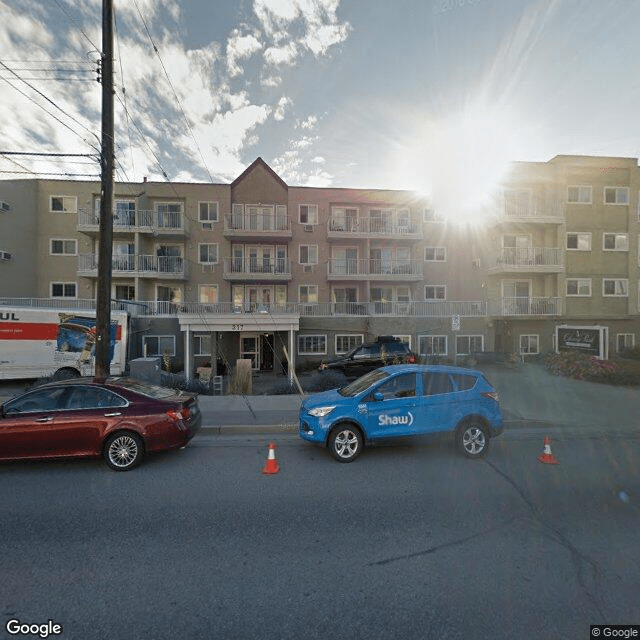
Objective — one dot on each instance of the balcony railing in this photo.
(131, 221)
(419, 309)
(522, 306)
(242, 223)
(374, 269)
(373, 227)
(243, 268)
(136, 265)
(533, 210)
(543, 259)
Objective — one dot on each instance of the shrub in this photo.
(325, 380)
(580, 366)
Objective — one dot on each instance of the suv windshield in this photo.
(362, 384)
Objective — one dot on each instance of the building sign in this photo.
(455, 323)
(584, 339)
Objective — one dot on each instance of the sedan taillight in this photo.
(411, 359)
(179, 416)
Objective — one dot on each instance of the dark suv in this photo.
(371, 355)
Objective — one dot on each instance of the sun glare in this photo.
(459, 161)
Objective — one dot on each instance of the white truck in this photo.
(37, 342)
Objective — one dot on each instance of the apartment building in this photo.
(262, 270)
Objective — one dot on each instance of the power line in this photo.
(72, 19)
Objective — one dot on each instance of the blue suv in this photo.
(404, 400)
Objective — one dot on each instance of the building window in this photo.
(435, 292)
(63, 204)
(625, 341)
(579, 195)
(431, 215)
(202, 345)
(432, 345)
(308, 214)
(435, 254)
(403, 338)
(60, 247)
(312, 345)
(615, 287)
(63, 289)
(308, 254)
(615, 242)
(159, 345)
(308, 293)
(579, 241)
(208, 293)
(578, 287)
(169, 215)
(345, 342)
(529, 344)
(616, 195)
(208, 212)
(469, 344)
(208, 253)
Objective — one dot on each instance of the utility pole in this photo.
(105, 248)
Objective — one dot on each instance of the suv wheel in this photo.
(345, 443)
(473, 439)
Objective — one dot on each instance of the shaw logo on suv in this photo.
(404, 400)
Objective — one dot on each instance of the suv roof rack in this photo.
(387, 339)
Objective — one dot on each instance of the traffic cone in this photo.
(272, 464)
(546, 456)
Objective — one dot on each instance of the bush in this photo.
(580, 366)
(325, 380)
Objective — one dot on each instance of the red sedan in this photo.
(118, 418)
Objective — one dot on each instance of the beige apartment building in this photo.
(258, 269)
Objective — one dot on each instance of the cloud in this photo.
(240, 47)
(280, 110)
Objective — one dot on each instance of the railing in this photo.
(256, 267)
(530, 257)
(135, 264)
(137, 220)
(419, 309)
(257, 222)
(374, 267)
(374, 226)
(533, 209)
(521, 306)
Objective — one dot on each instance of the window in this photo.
(312, 345)
(202, 345)
(432, 345)
(529, 344)
(63, 289)
(346, 342)
(402, 386)
(209, 293)
(431, 215)
(63, 204)
(404, 339)
(208, 253)
(616, 195)
(169, 215)
(625, 341)
(579, 241)
(435, 254)
(308, 293)
(125, 292)
(579, 195)
(308, 214)
(616, 287)
(464, 382)
(435, 292)
(578, 286)
(615, 242)
(208, 212)
(308, 254)
(435, 384)
(469, 344)
(159, 345)
(59, 247)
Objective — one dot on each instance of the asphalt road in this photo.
(409, 541)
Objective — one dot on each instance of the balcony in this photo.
(369, 269)
(374, 228)
(528, 260)
(537, 307)
(252, 270)
(257, 226)
(415, 309)
(139, 221)
(136, 266)
(531, 211)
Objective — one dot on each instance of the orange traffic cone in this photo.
(272, 464)
(546, 456)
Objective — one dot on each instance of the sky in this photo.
(436, 96)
